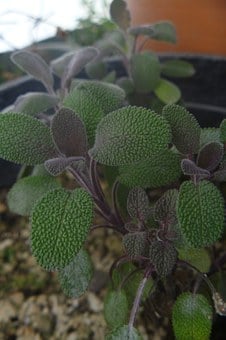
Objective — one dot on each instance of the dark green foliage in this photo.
(123, 333)
(129, 135)
(192, 316)
(116, 308)
(223, 131)
(210, 156)
(138, 204)
(76, 276)
(136, 244)
(165, 207)
(163, 255)
(200, 212)
(25, 140)
(120, 14)
(57, 235)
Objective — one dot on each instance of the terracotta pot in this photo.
(200, 24)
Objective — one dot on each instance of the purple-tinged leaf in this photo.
(165, 207)
(77, 62)
(69, 133)
(33, 103)
(189, 168)
(210, 156)
(163, 256)
(56, 166)
(120, 13)
(138, 204)
(136, 244)
(34, 65)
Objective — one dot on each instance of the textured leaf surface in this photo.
(56, 166)
(120, 14)
(138, 204)
(129, 135)
(91, 101)
(189, 168)
(200, 212)
(210, 156)
(60, 223)
(25, 140)
(209, 135)
(27, 191)
(185, 128)
(199, 258)
(163, 255)
(223, 131)
(162, 30)
(126, 84)
(76, 276)
(177, 69)
(69, 133)
(192, 317)
(116, 308)
(33, 103)
(34, 65)
(145, 70)
(167, 92)
(158, 170)
(123, 333)
(165, 207)
(136, 244)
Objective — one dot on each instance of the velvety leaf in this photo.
(123, 333)
(159, 170)
(27, 191)
(120, 13)
(33, 103)
(162, 30)
(126, 84)
(199, 258)
(34, 65)
(145, 70)
(76, 276)
(210, 156)
(177, 69)
(116, 308)
(209, 135)
(129, 135)
(163, 256)
(167, 92)
(56, 166)
(165, 207)
(25, 140)
(59, 64)
(185, 128)
(91, 101)
(223, 131)
(77, 63)
(192, 317)
(189, 168)
(69, 133)
(136, 244)
(200, 212)
(96, 69)
(60, 223)
(138, 204)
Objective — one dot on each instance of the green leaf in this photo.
(126, 84)
(163, 255)
(223, 131)
(76, 276)
(91, 100)
(177, 69)
(116, 308)
(120, 14)
(167, 92)
(199, 258)
(200, 211)
(165, 207)
(159, 170)
(60, 223)
(33, 103)
(136, 244)
(192, 317)
(129, 135)
(209, 135)
(25, 140)
(96, 69)
(27, 191)
(138, 204)
(145, 70)
(123, 333)
(110, 77)
(162, 30)
(185, 128)
(34, 65)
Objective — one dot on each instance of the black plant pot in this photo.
(204, 94)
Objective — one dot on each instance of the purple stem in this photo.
(114, 202)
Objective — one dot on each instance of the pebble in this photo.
(95, 304)
(7, 311)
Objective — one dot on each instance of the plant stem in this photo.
(114, 202)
